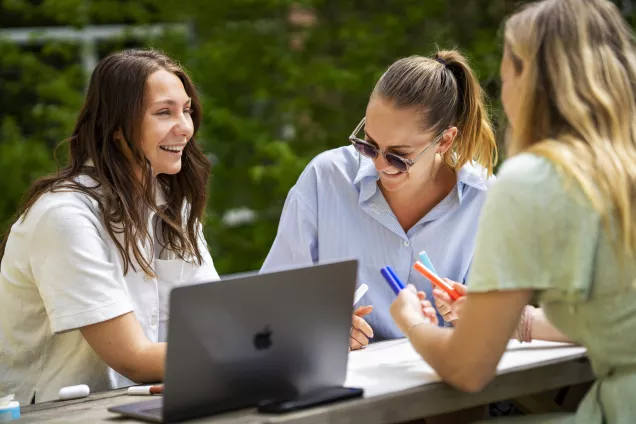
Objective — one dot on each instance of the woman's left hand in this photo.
(449, 309)
(411, 308)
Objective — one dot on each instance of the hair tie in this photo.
(442, 61)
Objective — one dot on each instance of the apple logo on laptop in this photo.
(263, 340)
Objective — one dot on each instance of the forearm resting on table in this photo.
(542, 329)
(122, 344)
(467, 356)
(461, 371)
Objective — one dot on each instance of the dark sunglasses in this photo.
(396, 161)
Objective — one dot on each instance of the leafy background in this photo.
(281, 81)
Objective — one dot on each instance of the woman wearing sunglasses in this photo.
(414, 178)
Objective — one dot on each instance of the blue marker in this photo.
(395, 277)
(389, 279)
(427, 262)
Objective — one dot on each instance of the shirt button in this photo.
(407, 243)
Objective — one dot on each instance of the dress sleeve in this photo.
(537, 231)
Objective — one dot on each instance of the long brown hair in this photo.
(576, 63)
(116, 102)
(447, 93)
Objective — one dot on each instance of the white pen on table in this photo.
(359, 293)
(145, 390)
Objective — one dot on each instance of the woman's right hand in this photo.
(448, 308)
(361, 331)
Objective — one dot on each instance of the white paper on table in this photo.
(393, 366)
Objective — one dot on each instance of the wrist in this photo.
(412, 327)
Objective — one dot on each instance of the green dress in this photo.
(538, 231)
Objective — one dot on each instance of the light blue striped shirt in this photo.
(336, 211)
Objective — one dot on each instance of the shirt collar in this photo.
(474, 175)
(471, 174)
(366, 178)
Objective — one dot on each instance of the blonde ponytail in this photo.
(476, 139)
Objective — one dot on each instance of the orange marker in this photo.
(438, 282)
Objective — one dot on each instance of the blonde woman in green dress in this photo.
(559, 226)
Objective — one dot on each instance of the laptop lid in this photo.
(252, 338)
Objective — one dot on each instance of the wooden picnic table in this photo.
(404, 405)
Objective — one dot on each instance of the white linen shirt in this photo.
(62, 271)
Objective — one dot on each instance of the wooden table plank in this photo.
(406, 405)
(43, 406)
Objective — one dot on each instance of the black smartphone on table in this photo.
(311, 399)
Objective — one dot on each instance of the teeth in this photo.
(172, 148)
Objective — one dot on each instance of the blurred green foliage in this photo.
(281, 81)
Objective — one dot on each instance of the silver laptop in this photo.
(249, 339)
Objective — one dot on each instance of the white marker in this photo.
(359, 293)
(145, 390)
(74, 392)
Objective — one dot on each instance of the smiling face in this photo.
(399, 131)
(167, 122)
